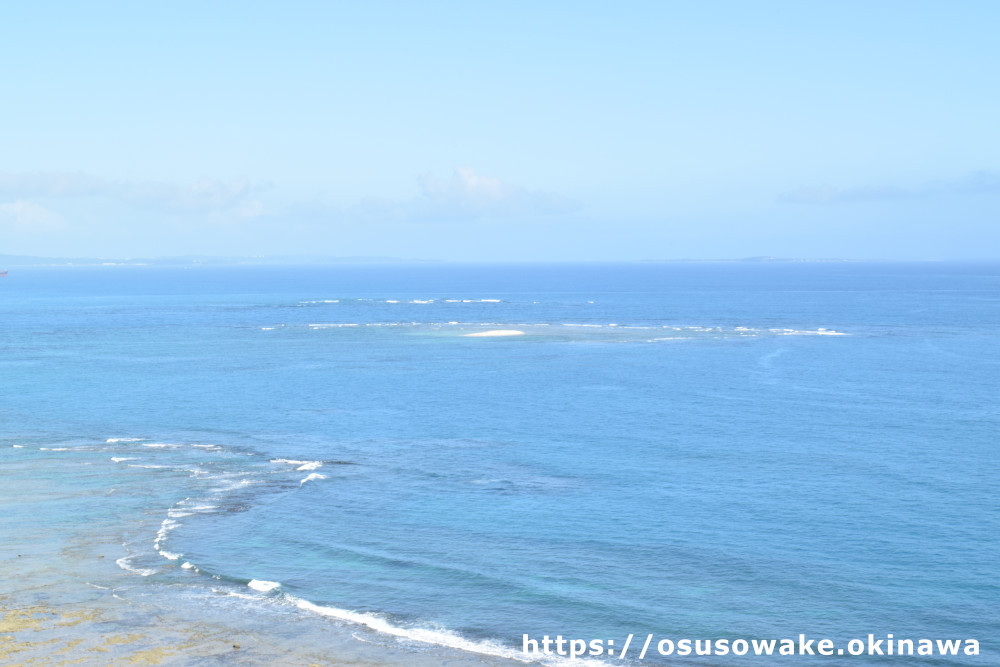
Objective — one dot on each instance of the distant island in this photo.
(750, 260)
(7, 261)
(199, 260)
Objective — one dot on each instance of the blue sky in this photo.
(501, 131)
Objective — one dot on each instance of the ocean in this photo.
(326, 457)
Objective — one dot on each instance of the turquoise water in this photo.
(702, 450)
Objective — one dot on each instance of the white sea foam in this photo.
(235, 594)
(427, 636)
(159, 445)
(148, 467)
(125, 563)
(233, 486)
(807, 332)
(166, 526)
(301, 465)
(494, 333)
(717, 331)
(119, 459)
(124, 440)
(472, 300)
(263, 586)
(169, 555)
(312, 476)
(18, 446)
(188, 566)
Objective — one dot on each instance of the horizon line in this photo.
(321, 260)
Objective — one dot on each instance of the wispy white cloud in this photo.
(203, 196)
(980, 182)
(465, 196)
(29, 216)
(49, 184)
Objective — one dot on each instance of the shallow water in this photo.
(704, 450)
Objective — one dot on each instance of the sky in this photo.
(501, 131)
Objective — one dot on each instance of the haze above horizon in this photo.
(517, 131)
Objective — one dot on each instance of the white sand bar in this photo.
(495, 332)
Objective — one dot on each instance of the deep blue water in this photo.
(698, 455)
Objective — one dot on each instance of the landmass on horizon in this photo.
(322, 260)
